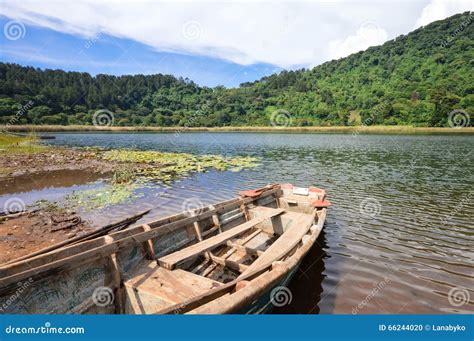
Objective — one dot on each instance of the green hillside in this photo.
(415, 79)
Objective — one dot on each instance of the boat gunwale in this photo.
(111, 245)
(261, 278)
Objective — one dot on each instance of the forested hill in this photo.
(414, 79)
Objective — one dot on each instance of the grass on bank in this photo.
(339, 129)
(11, 144)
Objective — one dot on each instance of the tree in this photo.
(409, 80)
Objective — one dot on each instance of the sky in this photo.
(210, 42)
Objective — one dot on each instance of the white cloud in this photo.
(286, 34)
(34, 55)
(440, 9)
(368, 34)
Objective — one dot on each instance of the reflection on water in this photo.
(308, 281)
(44, 180)
(398, 238)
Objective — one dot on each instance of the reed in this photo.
(329, 130)
(11, 144)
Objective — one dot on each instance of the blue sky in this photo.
(45, 48)
(212, 42)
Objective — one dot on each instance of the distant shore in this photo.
(328, 130)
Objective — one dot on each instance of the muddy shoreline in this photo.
(36, 230)
(39, 227)
(55, 159)
(26, 165)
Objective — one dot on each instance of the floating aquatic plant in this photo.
(99, 198)
(136, 167)
(166, 166)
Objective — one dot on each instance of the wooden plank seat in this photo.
(154, 287)
(170, 261)
(298, 225)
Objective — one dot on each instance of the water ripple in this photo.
(415, 243)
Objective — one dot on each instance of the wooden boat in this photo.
(40, 137)
(47, 137)
(224, 258)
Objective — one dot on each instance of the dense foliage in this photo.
(414, 79)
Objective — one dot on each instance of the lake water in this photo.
(398, 238)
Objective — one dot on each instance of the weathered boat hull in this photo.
(277, 295)
(177, 264)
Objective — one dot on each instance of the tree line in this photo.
(415, 79)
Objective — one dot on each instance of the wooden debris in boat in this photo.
(170, 261)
